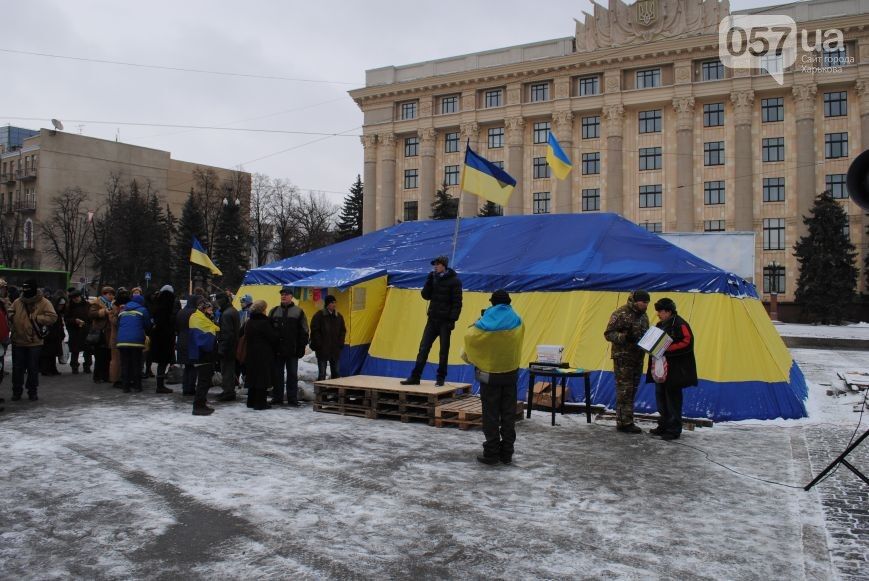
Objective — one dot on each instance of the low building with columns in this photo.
(658, 129)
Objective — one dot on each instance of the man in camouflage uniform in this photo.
(626, 326)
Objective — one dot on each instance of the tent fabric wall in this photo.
(745, 372)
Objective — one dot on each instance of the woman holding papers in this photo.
(681, 370)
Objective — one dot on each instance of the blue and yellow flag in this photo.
(198, 256)
(201, 335)
(557, 159)
(487, 180)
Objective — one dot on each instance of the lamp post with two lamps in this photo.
(773, 289)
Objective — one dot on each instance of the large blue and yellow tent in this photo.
(566, 274)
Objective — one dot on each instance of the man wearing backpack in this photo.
(31, 316)
(292, 327)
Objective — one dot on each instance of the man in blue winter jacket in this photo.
(134, 321)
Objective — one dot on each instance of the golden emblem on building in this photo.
(647, 11)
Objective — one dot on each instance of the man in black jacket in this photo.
(227, 341)
(444, 291)
(292, 326)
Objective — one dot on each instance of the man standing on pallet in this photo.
(493, 345)
(444, 291)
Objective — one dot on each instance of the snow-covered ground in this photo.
(102, 485)
(852, 331)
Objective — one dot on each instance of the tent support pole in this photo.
(456, 231)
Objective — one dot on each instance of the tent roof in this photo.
(554, 252)
(339, 277)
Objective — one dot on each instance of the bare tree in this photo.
(315, 221)
(10, 242)
(283, 218)
(67, 230)
(208, 194)
(262, 230)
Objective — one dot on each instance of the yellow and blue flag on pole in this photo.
(485, 179)
(198, 256)
(557, 159)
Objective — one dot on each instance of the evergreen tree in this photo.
(828, 275)
(350, 221)
(445, 207)
(191, 224)
(230, 252)
(490, 209)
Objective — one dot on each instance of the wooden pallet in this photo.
(687, 423)
(344, 410)
(466, 413)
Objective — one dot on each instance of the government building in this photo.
(658, 128)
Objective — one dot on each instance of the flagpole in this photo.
(190, 282)
(456, 231)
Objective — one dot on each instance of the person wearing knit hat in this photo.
(679, 370)
(328, 333)
(493, 345)
(443, 290)
(30, 318)
(626, 327)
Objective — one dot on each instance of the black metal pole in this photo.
(841, 459)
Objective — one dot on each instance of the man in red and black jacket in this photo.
(681, 370)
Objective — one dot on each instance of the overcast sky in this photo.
(332, 44)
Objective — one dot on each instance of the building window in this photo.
(774, 149)
(411, 146)
(541, 132)
(451, 175)
(411, 179)
(772, 110)
(591, 200)
(451, 143)
(836, 185)
(650, 158)
(541, 168)
(651, 196)
(772, 62)
(713, 153)
(650, 121)
(836, 145)
(836, 104)
(591, 163)
(653, 227)
(411, 211)
(774, 279)
(496, 137)
(539, 92)
(28, 234)
(713, 115)
(589, 86)
(648, 78)
(408, 110)
(773, 189)
(541, 202)
(713, 193)
(836, 56)
(712, 70)
(500, 164)
(591, 127)
(773, 233)
(493, 98)
(450, 104)
(713, 225)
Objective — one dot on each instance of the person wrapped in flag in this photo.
(201, 343)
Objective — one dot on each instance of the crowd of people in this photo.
(120, 336)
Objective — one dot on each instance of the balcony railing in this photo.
(26, 174)
(7, 177)
(26, 204)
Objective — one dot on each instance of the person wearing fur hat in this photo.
(227, 342)
(162, 335)
(328, 333)
(77, 328)
(100, 309)
(30, 317)
(443, 290)
(493, 345)
(626, 327)
(681, 370)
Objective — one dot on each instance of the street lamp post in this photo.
(773, 290)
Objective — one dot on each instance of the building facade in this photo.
(657, 128)
(41, 166)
